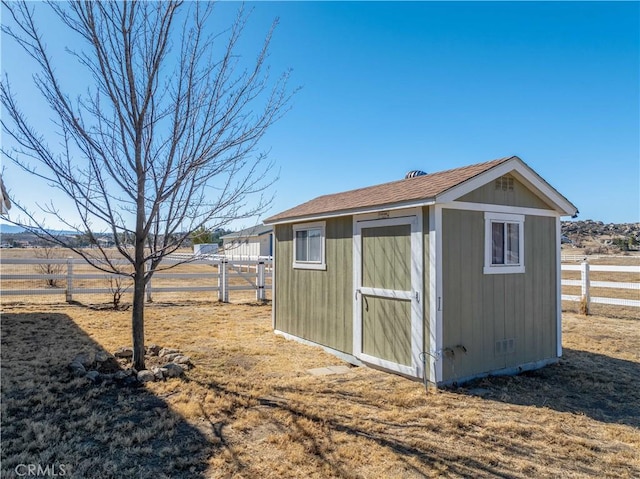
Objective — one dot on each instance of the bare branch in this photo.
(164, 141)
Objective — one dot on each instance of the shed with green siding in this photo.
(444, 277)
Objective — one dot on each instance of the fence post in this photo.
(69, 291)
(584, 279)
(260, 291)
(223, 281)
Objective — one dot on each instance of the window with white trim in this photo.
(503, 243)
(309, 246)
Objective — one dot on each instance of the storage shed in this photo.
(252, 242)
(444, 277)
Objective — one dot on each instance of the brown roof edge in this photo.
(413, 189)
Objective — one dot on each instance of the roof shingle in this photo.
(406, 190)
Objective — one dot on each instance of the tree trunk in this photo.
(137, 319)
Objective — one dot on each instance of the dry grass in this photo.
(250, 409)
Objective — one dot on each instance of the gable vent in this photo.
(414, 173)
(504, 183)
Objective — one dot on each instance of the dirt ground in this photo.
(250, 409)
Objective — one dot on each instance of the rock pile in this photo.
(596, 233)
(99, 367)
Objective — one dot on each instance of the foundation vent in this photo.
(505, 346)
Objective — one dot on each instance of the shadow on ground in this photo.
(300, 426)
(76, 429)
(598, 386)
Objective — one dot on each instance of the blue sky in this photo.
(388, 87)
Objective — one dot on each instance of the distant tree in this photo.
(202, 236)
(49, 269)
(165, 139)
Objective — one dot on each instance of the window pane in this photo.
(301, 245)
(497, 243)
(513, 243)
(315, 245)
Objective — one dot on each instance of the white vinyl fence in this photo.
(586, 284)
(72, 277)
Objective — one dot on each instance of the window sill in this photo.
(503, 269)
(315, 266)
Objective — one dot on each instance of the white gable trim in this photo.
(523, 173)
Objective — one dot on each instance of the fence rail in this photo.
(586, 284)
(246, 274)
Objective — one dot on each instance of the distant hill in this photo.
(7, 229)
(12, 229)
(602, 237)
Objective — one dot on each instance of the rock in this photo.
(124, 353)
(145, 376)
(86, 359)
(158, 372)
(164, 351)
(171, 356)
(153, 349)
(102, 356)
(93, 376)
(173, 370)
(130, 381)
(77, 369)
(180, 359)
(120, 375)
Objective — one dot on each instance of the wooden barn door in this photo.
(388, 330)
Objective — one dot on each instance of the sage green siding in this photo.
(386, 264)
(313, 304)
(480, 309)
(386, 329)
(386, 257)
(520, 196)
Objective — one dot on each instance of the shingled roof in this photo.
(406, 190)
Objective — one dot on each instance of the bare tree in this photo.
(163, 142)
(49, 269)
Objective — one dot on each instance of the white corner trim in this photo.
(435, 291)
(273, 285)
(558, 289)
(357, 281)
(523, 173)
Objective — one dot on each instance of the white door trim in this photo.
(412, 217)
